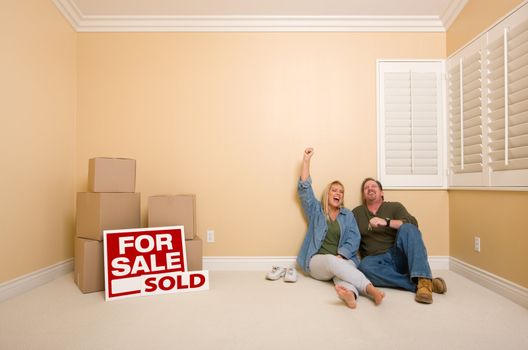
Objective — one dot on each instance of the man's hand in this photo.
(376, 222)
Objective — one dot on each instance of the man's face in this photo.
(372, 192)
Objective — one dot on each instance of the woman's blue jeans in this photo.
(401, 265)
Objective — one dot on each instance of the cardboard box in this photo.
(88, 271)
(173, 210)
(112, 175)
(193, 250)
(106, 211)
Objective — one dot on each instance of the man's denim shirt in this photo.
(317, 228)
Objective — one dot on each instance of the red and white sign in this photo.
(148, 261)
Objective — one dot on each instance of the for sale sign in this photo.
(148, 261)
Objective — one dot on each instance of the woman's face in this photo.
(336, 196)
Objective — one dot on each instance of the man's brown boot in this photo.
(439, 285)
(424, 291)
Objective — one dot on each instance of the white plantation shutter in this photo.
(465, 118)
(466, 115)
(502, 85)
(509, 129)
(410, 123)
(507, 101)
(454, 112)
(496, 101)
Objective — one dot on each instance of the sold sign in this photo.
(148, 261)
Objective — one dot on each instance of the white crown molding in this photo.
(85, 23)
(70, 11)
(452, 11)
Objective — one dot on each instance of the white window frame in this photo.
(411, 179)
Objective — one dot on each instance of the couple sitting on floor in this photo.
(392, 250)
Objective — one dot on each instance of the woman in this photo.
(329, 250)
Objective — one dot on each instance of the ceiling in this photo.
(261, 15)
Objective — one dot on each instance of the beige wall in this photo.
(227, 116)
(494, 216)
(497, 218)
(476, 17)
(222, 115)
(38, 94)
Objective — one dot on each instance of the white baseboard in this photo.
(34, 279)
(246, 263)
(264, 263)
(507, 289)
(439, 262)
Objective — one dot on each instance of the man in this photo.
(392, 249)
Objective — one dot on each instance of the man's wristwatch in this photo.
(388, 221)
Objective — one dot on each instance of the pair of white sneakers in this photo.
(289, 274)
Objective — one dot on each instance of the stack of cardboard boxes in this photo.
(112, 204)
(178, 210)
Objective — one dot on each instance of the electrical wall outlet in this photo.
(476, 246)
(210, 236)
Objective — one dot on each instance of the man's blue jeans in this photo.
(402, 264)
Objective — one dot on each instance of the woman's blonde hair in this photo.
(324, 198)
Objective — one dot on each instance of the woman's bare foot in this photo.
(347, 296)
(375, 293)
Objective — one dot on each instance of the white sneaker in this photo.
(276, 273)
(291, 275)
